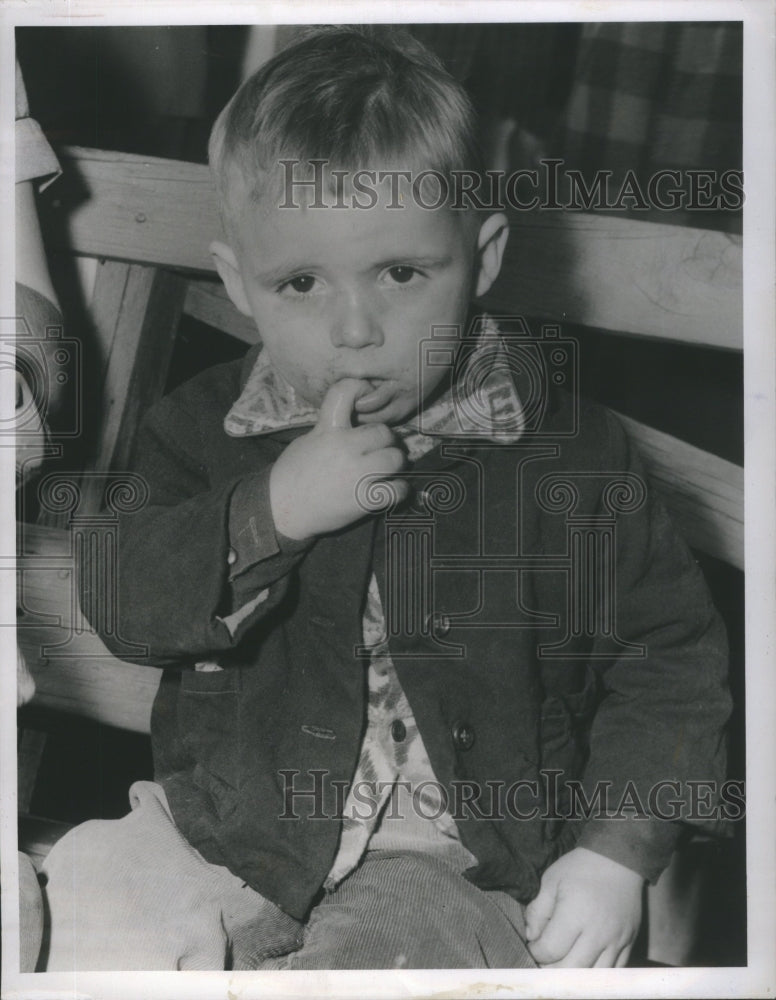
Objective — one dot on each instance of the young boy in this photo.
(359, 564)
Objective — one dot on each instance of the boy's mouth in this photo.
(379, 395)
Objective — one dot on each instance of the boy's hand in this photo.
(587, 912)
(312, 486)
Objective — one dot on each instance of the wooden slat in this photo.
(611, 273)
(625, 275)
(135, 311)
(105, 310)
(147, 375)
(88, 681)
(136, 208)
(38, 540)
(104, 689)
(121, 296)
(704, 493)
(208, 302)
(120, 301)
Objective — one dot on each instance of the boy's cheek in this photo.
(299, 366)
(311, 392)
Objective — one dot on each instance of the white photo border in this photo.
(758, 979)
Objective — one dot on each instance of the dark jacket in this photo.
(510, 681)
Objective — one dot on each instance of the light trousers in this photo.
(133, 894)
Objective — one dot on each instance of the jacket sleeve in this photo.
(658, 735)
(200, 565)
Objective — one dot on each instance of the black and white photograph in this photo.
(389, 570)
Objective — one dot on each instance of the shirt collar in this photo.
(482, 403)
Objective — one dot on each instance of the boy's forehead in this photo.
(373, 208)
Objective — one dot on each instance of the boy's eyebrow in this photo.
(413, 260)
(283, 270)
(276, 274)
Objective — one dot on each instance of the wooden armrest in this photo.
(73, 670)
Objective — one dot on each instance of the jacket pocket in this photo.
(216, 680)
(209, 721)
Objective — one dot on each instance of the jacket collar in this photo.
(482, 403)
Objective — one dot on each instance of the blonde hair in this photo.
(353, 96)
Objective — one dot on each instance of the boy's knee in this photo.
(111, 908)
(409, 910)
(87, 848)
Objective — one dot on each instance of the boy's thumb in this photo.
(337, 407)
(539, 911)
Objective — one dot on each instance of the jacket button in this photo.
(438, 623)
(463, 735)
(398, 731)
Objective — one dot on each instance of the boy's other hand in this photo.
(312, 485)
(587, 913)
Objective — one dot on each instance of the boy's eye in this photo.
(402, 273)
(301, 284)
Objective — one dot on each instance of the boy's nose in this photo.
(356, 325)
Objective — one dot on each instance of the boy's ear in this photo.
(229, 271)
(491, 241)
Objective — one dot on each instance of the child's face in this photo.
(350, 293)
